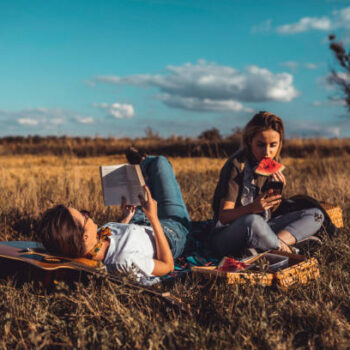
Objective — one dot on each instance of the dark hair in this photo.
(260, 122)
(60, 233)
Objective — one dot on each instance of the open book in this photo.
(122, 180)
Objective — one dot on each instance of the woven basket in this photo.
(263, 279)
(300, 271)
(335, 213)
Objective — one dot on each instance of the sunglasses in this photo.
(86, 215)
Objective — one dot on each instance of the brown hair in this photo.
(60, 233)
(260, 122)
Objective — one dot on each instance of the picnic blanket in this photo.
(196, 253)
(182, 267)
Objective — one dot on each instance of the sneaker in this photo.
(311, 239)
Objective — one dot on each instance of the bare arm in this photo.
(164, 263)
(228, 213)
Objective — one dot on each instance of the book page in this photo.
(114, 184)
(135, 183)
(121, 180)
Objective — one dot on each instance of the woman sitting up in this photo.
(242, 207)
(145, 242)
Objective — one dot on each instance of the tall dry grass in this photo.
(103, 315)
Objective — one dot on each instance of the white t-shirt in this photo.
(131, 249)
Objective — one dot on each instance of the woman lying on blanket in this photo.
(243, 211)
(145, 242)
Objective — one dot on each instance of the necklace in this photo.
(102, 236)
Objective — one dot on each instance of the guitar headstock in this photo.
(178, 302)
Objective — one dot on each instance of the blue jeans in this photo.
(252, 231)
(172, 212)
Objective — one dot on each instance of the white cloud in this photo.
(43, 110)
(204, 105)
(310, 66)
(339, 19)
(330, 131)
(341, 75)
(338, 102)
(292, 65)
(312, 129)
(333, 102)
(40, 117)
(262, 27)
(117, 110)
(342, 18)
(324, 82)
(329, 82)
(306, 24)
(90, 83)
(27, 121)
(85, 120)
(203, 83)
(57, 121)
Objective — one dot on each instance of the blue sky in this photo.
(114, 68)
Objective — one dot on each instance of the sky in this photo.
(115, 68)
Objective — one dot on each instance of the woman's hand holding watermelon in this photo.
(265, 202)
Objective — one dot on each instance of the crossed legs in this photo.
(252, 231)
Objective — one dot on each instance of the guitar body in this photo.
(26, 261)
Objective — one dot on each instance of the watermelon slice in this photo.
(231, 265)
(268, 166)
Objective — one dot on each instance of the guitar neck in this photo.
(166, 295)
(91, 266)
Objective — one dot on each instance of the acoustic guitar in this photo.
(16, 255)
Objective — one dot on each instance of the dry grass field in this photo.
(174, 146)
(104, 315)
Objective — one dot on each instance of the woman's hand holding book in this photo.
(128, 211)
(149, 206)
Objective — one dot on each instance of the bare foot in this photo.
(284, 247)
